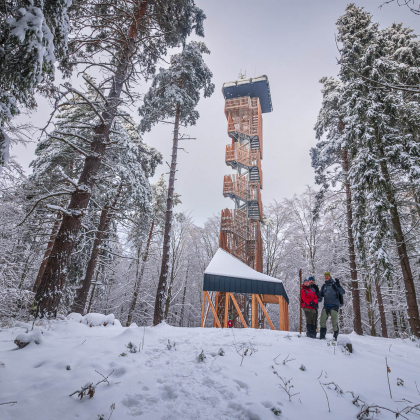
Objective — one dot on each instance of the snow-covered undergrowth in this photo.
(193, 373)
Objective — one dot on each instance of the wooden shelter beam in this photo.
(202, 310)
(265, 312)
(238, 310)
(226, 309)
(212, 309)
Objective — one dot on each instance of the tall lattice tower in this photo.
(245, 102)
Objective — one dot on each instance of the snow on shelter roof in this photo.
(225, 273)
(225, 264)
(253, 87)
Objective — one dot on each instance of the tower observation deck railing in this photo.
(244, 116)
(241, 155)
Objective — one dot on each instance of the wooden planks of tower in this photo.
(240, 231)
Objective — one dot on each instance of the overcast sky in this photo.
(292, 42)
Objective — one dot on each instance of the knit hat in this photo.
(311, 278)
(305, 280)
(327, 273)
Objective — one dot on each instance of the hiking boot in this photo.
(322, 333)
(336, 334)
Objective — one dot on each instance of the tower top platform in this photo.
(253, 87)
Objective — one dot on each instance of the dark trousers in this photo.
(311, 316)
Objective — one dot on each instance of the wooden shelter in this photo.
(240, 233)
(227, 280)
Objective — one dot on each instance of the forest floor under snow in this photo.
(166, 379)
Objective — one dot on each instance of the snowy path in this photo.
(161, 383)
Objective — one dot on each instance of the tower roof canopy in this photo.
(226, 273)
(253, 87)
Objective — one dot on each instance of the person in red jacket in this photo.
(309, 300)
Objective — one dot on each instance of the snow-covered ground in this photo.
(166, 380)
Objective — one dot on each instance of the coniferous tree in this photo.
(132, 45)
(175, 93)
(33, 35)
(381, 151)
(327, 157)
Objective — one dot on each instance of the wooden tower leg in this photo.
(216, 304)
(202, 310)
(253, 312)
(286, 314)
(226, 309)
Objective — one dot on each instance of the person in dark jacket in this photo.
(315, 288)
(308, 301)
(330, 292)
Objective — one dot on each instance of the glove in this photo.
(337, 282)
(312, 304)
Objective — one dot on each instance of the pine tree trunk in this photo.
(163, 278)
(140, 277)
(181, 317)
(92, 294)
(169, 294)
(410, 292)
(82, 293)
(47, 252)
(357, 320)
(370, 309)
(50, 290)
(381, 311)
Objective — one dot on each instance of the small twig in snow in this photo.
(329, 409)
(286, 360)
(276, 359)
(388, 371)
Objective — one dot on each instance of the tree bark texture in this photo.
(50, 290)
(381, 311)
(181, 317)
(357, 317)
(47, 252)
(370, 308)
(140, 276)
(410, 292)
(163, 278)
(82, 293)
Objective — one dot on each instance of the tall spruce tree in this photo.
(375, 142)
(175, 93)
(331, 163)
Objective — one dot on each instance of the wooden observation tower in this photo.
(240, 294)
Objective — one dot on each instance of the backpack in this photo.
(340, 296)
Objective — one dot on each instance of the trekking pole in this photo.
(300, 301)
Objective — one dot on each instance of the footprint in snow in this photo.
(241, 386)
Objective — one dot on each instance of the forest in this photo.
(87, 231)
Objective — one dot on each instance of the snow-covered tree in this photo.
(33, 35)
(382, 151)
(175, 93)
(132, 36)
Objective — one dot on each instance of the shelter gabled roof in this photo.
(226, 273)
(253, 87)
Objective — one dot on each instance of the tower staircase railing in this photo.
(241, 155)
(238, 186)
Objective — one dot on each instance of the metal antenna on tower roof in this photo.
(242, 75)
